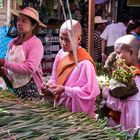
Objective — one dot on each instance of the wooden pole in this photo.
(91, 15)
(8, 12)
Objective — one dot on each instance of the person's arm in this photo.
(52, 81)
(114, 103)
(103, 46)
(34, 56)
(55, 64)
(5, 78)
(104, 37)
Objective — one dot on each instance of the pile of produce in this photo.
(122, 72)
(117, 78)
(122, 84)
(38, 120)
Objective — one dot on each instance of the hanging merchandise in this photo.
(40, 2)
(12, 32)
(133, 3)
(48, 12)
(25, 3)
(55, 4)
(19, 2)
(1, 4)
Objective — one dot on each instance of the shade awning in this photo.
(100, 1)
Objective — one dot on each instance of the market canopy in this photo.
(100, 1)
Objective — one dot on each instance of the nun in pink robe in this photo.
(79, 91)
(129, 108)
(127, 48)
(81, 87)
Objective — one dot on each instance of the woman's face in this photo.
(125, 54)
(65, 41)
(24, 24)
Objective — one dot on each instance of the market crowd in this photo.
(73, 82)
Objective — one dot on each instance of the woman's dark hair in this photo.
(124, 18)
(34, 22)
(129, 28)
(133, 25)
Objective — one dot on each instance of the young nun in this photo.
(127, 47)
(76, 86)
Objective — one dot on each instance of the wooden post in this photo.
(8, 12)
(91, 14)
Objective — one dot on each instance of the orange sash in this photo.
(67, 64)
(115, 115)
(137, 70)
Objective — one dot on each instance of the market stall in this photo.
(37, 119)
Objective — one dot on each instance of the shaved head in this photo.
(128, 41)
(70, 25)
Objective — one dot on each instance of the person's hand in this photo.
(104, 57)
(57, 89)
(2, 72)
(50, 84)
(2, 61)
(105, 92)
(45, 87)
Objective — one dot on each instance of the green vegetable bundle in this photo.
(122, 84)
(38, 120)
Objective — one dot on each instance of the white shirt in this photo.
(112, 32)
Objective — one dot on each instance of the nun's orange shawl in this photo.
(67, 64)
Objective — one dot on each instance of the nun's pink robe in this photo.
(81, 87)
(129, 108)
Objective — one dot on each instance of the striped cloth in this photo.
(97, 46)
